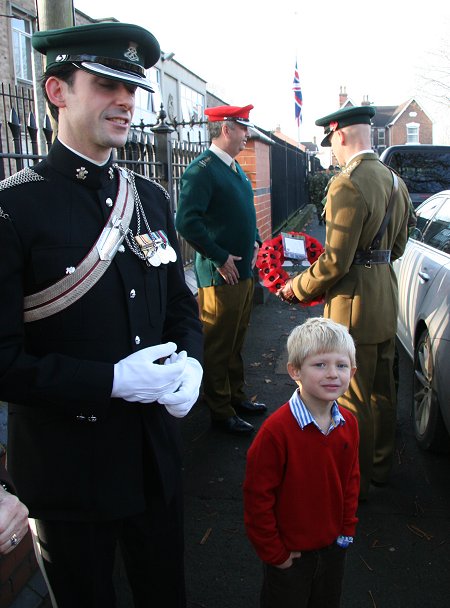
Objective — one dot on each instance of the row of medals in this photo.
(156, 248)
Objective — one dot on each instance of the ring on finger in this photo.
(14, 540)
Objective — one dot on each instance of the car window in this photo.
(426, 212)
(437, 234)
(422, 171)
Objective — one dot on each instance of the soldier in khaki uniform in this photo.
(361, 292)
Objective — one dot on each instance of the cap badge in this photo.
(60, 58)
(131, 53)
(82, 173)
(333, 125)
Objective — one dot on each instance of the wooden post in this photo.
(55, 14)
(51, 15)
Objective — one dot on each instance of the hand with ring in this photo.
(13, 521)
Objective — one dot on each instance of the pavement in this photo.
(401, 555)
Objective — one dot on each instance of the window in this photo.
(437, 234)
(381, 138)
(412, 133)
(425, 171)
(192, 104)
(147, 104)
(21, 38)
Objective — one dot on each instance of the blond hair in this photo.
(319, 335)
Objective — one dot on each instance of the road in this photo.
(401, 556)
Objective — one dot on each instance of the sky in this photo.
(388, 50)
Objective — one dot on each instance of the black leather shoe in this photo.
(251, 407)
(234, 425)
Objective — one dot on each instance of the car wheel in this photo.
(429, 427)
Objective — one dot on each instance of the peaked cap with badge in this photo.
(356, 115)
(236, 113)
(118, 51)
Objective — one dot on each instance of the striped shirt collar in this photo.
(304, 417)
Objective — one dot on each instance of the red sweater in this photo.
(301, 487)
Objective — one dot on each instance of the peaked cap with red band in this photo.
(356, 115)
(235, 113)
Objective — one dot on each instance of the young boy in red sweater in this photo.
(302, 479)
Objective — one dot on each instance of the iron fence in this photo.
(150, 150)
(289, 193)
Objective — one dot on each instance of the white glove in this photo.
(139, 378)
(179, 402)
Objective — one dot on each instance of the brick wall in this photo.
(398, 130)
(255, 161)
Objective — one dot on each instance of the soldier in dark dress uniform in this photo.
(93, 436)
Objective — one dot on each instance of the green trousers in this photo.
(225, 313)
(372, 398)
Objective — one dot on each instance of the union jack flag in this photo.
(297, 96)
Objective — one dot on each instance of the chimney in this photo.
(365, 101)
(342, 96)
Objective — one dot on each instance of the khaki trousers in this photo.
(372, 398)
(225, 312)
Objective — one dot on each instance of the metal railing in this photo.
(150, 150)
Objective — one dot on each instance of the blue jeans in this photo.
(313, 581)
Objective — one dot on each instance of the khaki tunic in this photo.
(363, 299)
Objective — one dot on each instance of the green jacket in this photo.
(216, 215)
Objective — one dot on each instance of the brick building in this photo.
(407, 123)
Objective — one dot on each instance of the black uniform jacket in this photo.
(73, 452)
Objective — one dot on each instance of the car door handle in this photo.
(423, 275)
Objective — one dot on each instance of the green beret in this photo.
(356, 115)
(118, 51)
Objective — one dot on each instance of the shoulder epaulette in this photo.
(347, 171)
(21, 177)
(204, 161)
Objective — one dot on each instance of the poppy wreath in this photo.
(271, 258)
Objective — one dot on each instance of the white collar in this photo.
(91, 160)
(224, 156)
(357, 154)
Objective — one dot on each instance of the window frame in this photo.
(23, 71)
(413, 133)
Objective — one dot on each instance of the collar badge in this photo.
(82, 173)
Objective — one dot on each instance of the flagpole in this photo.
(299, 121)
(298, 100)
(297, 38)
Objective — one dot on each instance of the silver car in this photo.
(423, 274)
